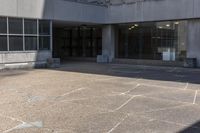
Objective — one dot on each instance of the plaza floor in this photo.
(100, 98)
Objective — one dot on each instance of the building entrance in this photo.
(79, 41)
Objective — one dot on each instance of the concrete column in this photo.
(108, 42)
(193, 40)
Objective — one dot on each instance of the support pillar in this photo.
(193, 40)
(108, 42)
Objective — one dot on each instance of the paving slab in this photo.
(185, 115)
(144, 104)
(89, 97)
(175, 95)
(140, 124)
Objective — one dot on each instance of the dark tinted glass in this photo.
(16, 43)
(44, 27)
(15, 26)
(30, 43)
(3, 43)
(30, 26)
(3, 25)
(44, 43)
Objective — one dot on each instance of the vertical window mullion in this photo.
(38, 45)
(51, 32)
(23, 34)
(8, 46)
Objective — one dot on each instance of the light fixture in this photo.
(129, 28)
(168, 25)
(136, 25)
(132, 27)
(160, 27)
(176, 23)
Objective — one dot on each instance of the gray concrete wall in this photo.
(53, 9)
(148, 10)
(154, 10)
(193, 40)
(23, 59)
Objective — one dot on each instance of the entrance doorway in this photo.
(79, 41)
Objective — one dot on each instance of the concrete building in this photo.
(162, 32)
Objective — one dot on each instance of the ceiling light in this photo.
(168, 25)
(176, 23)
(132, 27)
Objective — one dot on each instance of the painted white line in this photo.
(112, 129)
(159, 86)
(79, 89)
(124, 93)
(126, 102)
(12, 118)
(37, 124)
(195, 97)
(186, 86)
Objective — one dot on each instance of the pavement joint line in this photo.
(125, 103)
(195, 97)
(117, 125)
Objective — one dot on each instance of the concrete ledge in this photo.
(150, 62)
(23, 65)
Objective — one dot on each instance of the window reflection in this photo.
(157, 41)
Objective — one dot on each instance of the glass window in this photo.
(44, 42)
(16, 43)
(3, 43)
(3, 25)
(155, 40)
(15, 26)
(44, 27)
(30, 43)
(30, 26)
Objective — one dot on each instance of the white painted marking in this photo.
(70, 92)
(37, 124)
(112, 129)
(126, 102)
(186, 86)
(159, 86)
(12, 118)
(124, 93)
(195, 97)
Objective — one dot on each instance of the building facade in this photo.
(163, 32)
